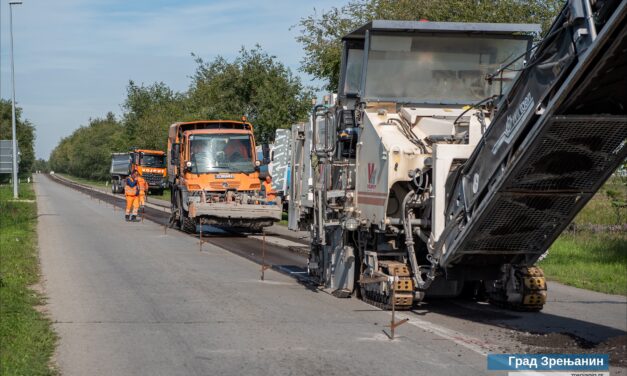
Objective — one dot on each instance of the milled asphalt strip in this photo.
(297, 238)
(272, 238)
(163, 207)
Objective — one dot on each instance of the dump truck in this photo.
(454, 154)
(150, 164)
(213, 172)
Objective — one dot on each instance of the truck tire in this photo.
(186, 224)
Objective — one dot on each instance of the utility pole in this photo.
(13, 128)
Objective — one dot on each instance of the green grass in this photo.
(27, 340)
(594, 260)
(591, 261)
(599, 210)
(103, 185)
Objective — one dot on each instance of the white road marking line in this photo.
(471, 343)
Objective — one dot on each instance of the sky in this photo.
(74, 58)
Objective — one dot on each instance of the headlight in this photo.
(351, 224)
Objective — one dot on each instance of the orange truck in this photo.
(149, 163)
(213, 173)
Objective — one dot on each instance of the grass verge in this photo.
(595, 257)
(27, 340)
(593, 261)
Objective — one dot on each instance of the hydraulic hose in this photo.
(419, 282)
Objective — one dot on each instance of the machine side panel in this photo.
(372, 185)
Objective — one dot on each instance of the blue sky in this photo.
(74, 58)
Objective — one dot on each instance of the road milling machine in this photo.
(454, 154)
(214, 177)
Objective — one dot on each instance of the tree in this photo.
(255, 85)
(25, 136)
(320, 34)
(149, 112)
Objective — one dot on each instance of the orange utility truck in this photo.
(213, 173)
(149, 163)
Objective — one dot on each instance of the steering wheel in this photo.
(236, 157)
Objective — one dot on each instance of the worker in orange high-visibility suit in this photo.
(143, 191)
(267, 187)
(131, 191)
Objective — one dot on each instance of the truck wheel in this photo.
(186, 224)
(174, 221)
(114, 189)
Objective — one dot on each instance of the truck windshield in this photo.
(153, 160)
(221, 152)
(438, 69)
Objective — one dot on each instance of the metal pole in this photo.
(200, 236)
(393, 323)
(263, 256)
(13, 128)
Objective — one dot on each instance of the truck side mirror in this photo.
(174, 154)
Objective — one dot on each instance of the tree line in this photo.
(25, 134)
(257, 85)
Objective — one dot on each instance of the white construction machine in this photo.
(454, 154)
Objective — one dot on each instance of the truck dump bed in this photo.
(120, 164)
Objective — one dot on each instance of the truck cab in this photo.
(151, 165)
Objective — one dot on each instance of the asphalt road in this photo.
(128, 299)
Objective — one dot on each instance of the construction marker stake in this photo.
(394, 323)
(263, 256)
(200, 238)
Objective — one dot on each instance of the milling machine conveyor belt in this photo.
(547, 172)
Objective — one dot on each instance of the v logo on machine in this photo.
(372, 175)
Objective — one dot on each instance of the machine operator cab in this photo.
(437, 63)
